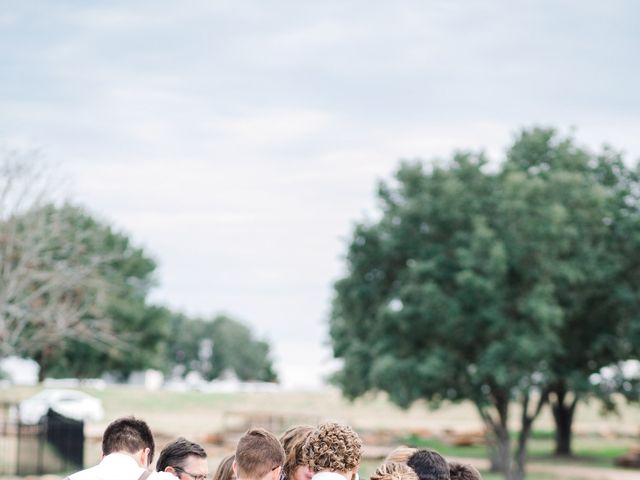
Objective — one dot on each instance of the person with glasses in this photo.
(259, 456)
(184, 459)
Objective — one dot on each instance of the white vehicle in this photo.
(70, 403)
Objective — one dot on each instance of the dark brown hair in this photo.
(463, 471)
(175, 454)
(429, 465)
(128, 434)
(257, 453)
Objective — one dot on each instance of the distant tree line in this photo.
(73, 295)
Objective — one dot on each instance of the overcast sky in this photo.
(237, 141)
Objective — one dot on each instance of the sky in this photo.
(239, 141)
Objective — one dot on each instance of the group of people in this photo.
(331, 451)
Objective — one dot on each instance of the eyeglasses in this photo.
(195, 477)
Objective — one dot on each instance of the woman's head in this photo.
(394, 471)
(292, 441)
(225, 469)
(400, 454)
(332, 447)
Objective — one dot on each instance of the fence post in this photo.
(41, 441)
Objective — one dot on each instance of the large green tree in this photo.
(596, 282)
(137, 330)
(75, 295)
(459, 290)
(50, 290)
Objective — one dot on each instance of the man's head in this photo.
(429, 465)
(259, 455)
(185, 459)
(130, 436)
(463, 471)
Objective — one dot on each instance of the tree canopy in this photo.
(217, 346)
(73, 294)
(102, 285)
(480, 281)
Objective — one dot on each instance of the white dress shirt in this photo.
(331, 476)
(118, 466)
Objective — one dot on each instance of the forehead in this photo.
(196, 465)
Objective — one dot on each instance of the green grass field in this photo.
(588, 450)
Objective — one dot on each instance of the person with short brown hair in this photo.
(259, 456)
(394, 471)
(333, 451)
(463, 471)
(292, 441)
(127, 452)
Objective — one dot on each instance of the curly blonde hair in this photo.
(332, 447)
(394, 471)
(292, 441)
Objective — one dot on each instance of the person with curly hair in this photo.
(333, 452)
(292, 441)
(394, 471)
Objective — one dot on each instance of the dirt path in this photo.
(565, 471)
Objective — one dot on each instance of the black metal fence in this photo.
(54, 445)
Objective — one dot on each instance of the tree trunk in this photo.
(563, 414)
(499, 451)
(518, 472)
(42, 361)
(496, 464)
(504, 451)
(497, 436)
(526, 425)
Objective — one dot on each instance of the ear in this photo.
(170, 469)
(144, 457)
(234, 466)
(275, 474)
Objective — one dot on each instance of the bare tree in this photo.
(50, 288)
